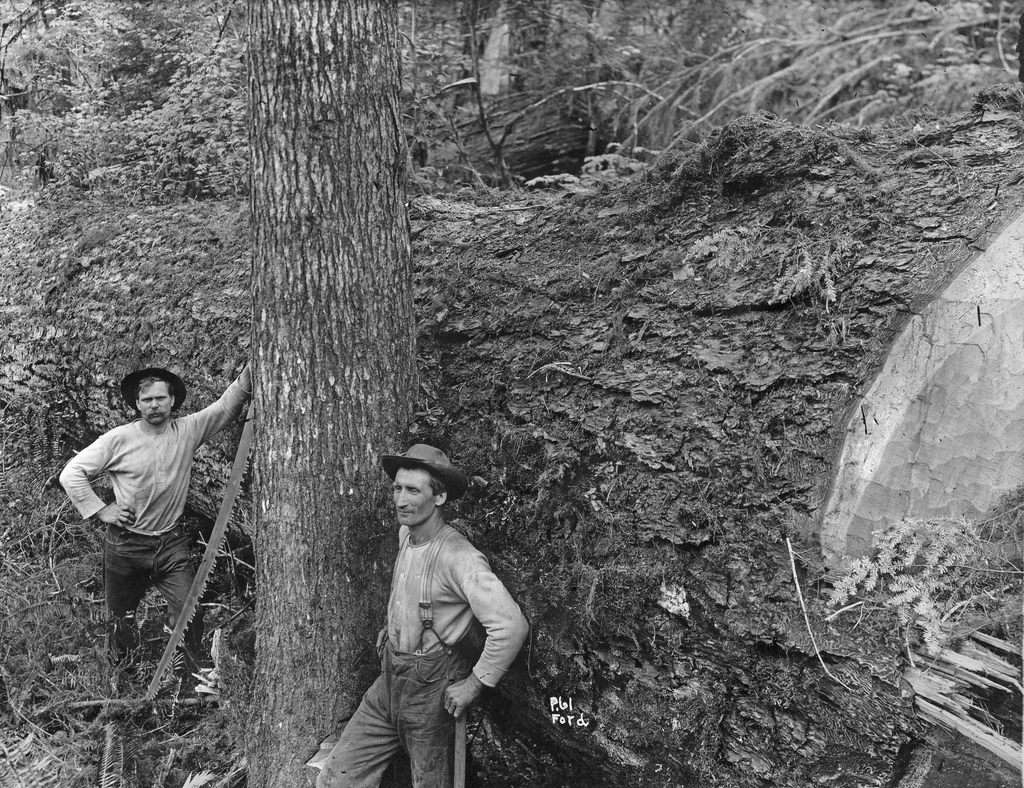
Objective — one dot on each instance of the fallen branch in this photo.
(36, 605)
(118, 703)
(843, 106)
(807, 620)
(851, 606)
(800, 63)
(843, 82)
(556, 366)
(511, 122)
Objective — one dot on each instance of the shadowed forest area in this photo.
(660, 251)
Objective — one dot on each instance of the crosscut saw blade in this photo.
(213, 545)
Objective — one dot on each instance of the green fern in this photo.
(22, 766)
(39, 442)
(926, 572)
(112, 766)
(728, 249)
(812, 270)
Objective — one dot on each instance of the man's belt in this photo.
(129, 532)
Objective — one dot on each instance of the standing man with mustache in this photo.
(440, 584)
(149, 462)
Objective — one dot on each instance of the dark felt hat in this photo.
(434, 460)
(130, 384)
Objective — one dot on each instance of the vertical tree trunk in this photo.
(334, 357)
(496, 58)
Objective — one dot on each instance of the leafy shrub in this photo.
(653, 74)
(145, 101)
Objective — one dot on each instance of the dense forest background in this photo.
(146, 100)
(651, 430)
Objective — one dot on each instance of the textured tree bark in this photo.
(334, 357)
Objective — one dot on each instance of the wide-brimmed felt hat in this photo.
(421, 455)
(130, 385)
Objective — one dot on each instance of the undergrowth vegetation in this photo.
(66, 716)
(147, 101)
(144, 102)
(945, 578)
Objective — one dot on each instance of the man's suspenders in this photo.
(426, 584)
(426, 605)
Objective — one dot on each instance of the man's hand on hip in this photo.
(460, 695)
(117, 514)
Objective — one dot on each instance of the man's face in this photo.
(414, 500)
(155, 403)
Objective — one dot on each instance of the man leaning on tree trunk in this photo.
(149, 462)
(440, 587)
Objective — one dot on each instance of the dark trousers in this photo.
(132, 564)
(402, 710)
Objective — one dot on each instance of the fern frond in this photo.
(906, 598)
(849, 583)
(199, 779)
(901, 583)
(924, 571)
(112, 766)
(871, 580)
(37, 438)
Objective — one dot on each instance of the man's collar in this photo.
(435, 525)
(146, 430)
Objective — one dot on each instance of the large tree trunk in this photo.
(334, 354)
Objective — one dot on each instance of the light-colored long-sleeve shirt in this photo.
(150, 473)
(463, 588)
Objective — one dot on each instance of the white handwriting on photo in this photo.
(563, 713)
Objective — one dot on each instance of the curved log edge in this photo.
(940, 432)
